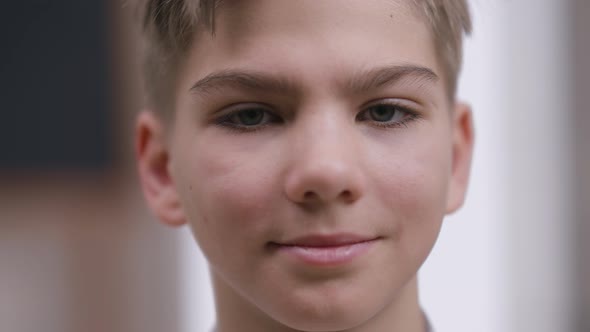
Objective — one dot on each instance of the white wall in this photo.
(195, 295)
(502, 263)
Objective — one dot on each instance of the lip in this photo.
(326, 250)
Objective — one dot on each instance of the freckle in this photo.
(205, 219)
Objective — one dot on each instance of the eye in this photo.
(387, 114)
(247, 117)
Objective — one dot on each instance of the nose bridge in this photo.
(325, 165)
(325, 139)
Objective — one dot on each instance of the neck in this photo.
(234, 313)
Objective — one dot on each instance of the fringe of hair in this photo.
(449, 20)
(168, 27)
(172, 23)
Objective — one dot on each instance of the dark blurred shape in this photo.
(581, 138)
(54, 85)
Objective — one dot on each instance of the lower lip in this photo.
(327, 256)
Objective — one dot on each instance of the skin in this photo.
(318, 156)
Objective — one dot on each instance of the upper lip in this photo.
(329, 240)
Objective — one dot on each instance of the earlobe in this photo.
(153, 161)
(463, 137)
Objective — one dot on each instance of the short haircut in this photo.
(169, 26)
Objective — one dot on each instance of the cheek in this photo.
(228, 196)
(414, 190)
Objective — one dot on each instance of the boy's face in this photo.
(314, 153)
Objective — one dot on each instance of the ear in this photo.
(462, 153)
(153, 161)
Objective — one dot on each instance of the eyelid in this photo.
(411, 113)
(228, 111)
(223, 117)
(236, 107)
(404, 104)
(401, 105)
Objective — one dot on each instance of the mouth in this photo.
(325, 250)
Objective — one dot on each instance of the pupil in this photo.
(251, 117)
(382, 113)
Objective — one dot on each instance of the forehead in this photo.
(313, 37)
(292, 12)
(240, 19)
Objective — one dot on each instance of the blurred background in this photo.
(79, 250)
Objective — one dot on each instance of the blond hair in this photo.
(169, 27)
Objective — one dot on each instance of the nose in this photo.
(325, 166)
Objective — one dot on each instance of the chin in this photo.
(327, 316)
(315, 324)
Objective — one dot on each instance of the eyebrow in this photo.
(391, 75)
(361, 82)
(249, 80)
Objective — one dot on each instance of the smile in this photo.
(326, 251)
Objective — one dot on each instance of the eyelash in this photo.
(227, 121)
(409, 114)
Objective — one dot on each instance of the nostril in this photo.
(346, 195)
(310, 195)
(323, 185)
